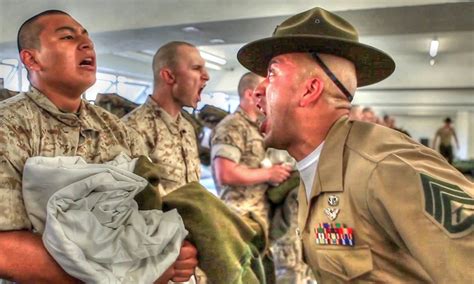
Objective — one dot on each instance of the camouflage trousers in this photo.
(287, 250)
(288, 258)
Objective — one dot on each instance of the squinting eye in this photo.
(68, 37)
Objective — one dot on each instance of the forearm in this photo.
(243, 175)
(24, 259)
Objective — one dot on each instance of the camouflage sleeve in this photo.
(13, 154)
(137, 144)
(141, 134)
(228, 142)
(226, 151)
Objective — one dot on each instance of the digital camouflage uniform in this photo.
(31, 125)
(287, 250)
(238, 139)
(171, 143)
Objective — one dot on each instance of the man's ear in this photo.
(167, 76)
(314, 88)
(28, 58)
(248, 94)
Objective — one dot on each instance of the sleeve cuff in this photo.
(226, 151)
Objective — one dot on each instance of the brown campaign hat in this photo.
(318, 30)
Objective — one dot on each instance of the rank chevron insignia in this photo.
(449, 205)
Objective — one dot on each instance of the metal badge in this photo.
(331, 213)
(333, 200)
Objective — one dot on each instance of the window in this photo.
(10, 75)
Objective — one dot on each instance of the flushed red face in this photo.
(278, 98)
(66, 57)
(191, 76)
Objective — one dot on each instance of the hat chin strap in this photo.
(332, 76)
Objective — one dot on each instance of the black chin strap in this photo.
(332, 76)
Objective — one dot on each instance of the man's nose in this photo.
(86, 43)
(205, 74)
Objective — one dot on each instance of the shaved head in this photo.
(248, 81)
(28, 34)
(167, 56)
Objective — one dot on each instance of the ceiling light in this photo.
(213, 58)
(432, 61)
(148, 52)
(213, 66)
(434, 47)
(217, 41)
(190, 29)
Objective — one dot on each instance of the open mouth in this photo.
(263, 126)
(200, 91)
(201, 88)
(88, 63)
(261, 109)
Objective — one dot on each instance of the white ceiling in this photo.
(402, 28)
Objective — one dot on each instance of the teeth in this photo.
(87, 61)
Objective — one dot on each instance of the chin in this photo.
(271, 141)
(89, 82)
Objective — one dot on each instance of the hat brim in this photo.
(372, 65)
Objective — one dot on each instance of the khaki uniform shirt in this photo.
(31, 125)
(410, 213)
(171, 143)
(238, 139)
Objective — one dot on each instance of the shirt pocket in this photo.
(345, 263)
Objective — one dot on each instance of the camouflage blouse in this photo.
(171, 143)
(31, 125)
(238, 139)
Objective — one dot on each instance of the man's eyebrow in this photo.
(70, 29)
(273, 61)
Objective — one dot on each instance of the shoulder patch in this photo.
(450, 206)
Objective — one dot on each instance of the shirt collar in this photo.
(68, 118)
(241, 112)
(172, 124)
(307, 168)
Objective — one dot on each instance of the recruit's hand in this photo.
(183, 268)
(278, 173)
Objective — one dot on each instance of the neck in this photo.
(65, 99)
(249, 111)
(165, 101)
(305, 145)
(309, 135)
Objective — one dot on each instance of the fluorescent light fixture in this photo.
(190, 29)
(217, 41)
(148, 52)
(213, 66)
(434, 47)
(213, 58)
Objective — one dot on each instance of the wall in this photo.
(422, 111)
